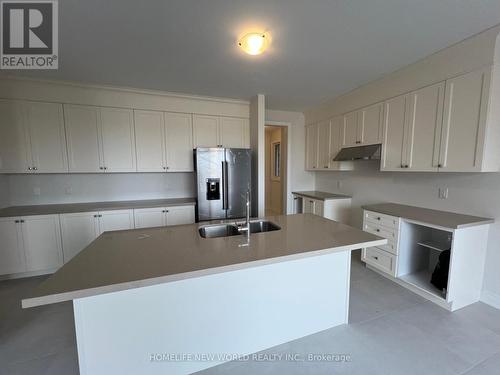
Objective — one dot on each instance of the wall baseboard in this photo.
(491, 299)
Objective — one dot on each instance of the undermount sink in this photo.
(227, 230)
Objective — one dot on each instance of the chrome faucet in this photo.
(246, 227)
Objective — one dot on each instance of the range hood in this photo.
(370, 152)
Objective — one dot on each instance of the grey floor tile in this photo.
(64, 362)
(491, 366)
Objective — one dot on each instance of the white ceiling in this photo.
(320, 49)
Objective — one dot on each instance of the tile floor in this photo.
(391, 331)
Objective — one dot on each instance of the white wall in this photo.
(299, 178)
(4, 191)
(55, 188)
(469, 193)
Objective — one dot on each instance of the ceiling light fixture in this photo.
(254, 43)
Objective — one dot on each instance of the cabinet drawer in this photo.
(385, 220)
(380, 259)
(379, 230)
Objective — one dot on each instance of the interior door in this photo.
(239, 169)
(83, 138)
(231, 132)
(149, 141)
(463, 120)
(118, 140)
(370, 124)
(78, 230)
(42, 242)
(312, 147)
(205, 131)
(350, 129)
(14, 142)
(11, 250)
(324, 144)
(179, 142)
(424, 128)
(45, 126)
(394, 134)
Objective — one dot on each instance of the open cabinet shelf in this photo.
(434, 245)
(421, 280)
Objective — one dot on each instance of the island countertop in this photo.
(127, 259)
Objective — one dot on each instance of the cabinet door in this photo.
(116, 220)
(150, 217)
(180, 215)
(370, 124)
(318, 208)
(462, 122)
(425, 115)
(350, 130)
(42, 242)
(78, 230)
(308, 205)
(324, 145)
(12, 258)
(335, 140)
(150, 141)
(311, 147)
(45, 126)
(118, 140)
(394, 134)
(83, 138)
(179, 142)
(232, 132)
(14, 143)
(205, 131)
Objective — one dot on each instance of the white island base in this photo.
(188, 325)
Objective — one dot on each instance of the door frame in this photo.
(287, 193)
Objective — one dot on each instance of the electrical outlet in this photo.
(443, 193)
(339, 184)
(36, 191)
(68, 190)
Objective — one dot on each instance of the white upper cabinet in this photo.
(150, 141)
(118, 140)
(84, 138)
(13, 139)
(219, 131)
(233, 132)
(206, 131)
(42, 242)
(45, 126)
(350, 129)
(323, 145)
(335, 140)
(369, 129)
(32, 138)
(11, 251)
(464, 122)
(312, 147)
(423, 128)
(393, 157)
(179, 142)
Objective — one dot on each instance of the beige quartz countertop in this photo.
(142, 257)
(50, 209)
(443, 219)
(321, 195)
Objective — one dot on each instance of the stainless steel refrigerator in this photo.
(223, 176)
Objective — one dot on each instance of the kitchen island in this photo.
(166, 300)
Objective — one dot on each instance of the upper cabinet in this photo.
(164, 141)
(32, 138)
(323, 158)
(363, 127)
(311, 147)
(218, 131)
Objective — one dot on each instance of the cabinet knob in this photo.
(105, 168)
(16, 221)
(164, 167)
(440, 165)
(379, 218)
(167, 167)
(358, 142)
(35, 168)
(29, 168)
(326, 166)
(376, 258)
(378, 230)
(101, 168)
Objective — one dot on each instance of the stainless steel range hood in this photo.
(370, 152)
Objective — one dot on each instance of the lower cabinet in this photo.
(115, 220)
(163, 216)
(30, 244)
(333, 209)
(78, 230)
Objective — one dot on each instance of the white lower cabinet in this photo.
(115, 220)
(78, 230)
(163, 216)
(30, 244)
(333, 209)
(11, 252)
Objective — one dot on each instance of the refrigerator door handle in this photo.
(224, 185)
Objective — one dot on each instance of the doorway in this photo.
(276, 168)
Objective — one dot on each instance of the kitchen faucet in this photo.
(246, 227)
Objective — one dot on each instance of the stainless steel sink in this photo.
(263, 226)
(226, 230)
